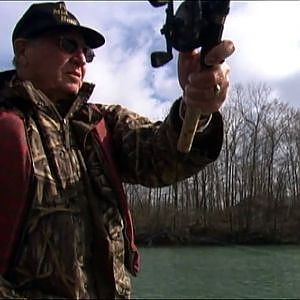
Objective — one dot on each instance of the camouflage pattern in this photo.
(75, 242)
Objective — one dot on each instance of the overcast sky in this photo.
(266, 35)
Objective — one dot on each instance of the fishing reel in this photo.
(195, 24)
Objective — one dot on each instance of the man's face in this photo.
(52, 69)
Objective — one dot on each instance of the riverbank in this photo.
(210, 238)
(157, 227)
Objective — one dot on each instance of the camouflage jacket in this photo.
(74, 240)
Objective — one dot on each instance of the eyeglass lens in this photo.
(71, 46)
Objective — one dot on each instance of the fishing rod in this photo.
(195, 24)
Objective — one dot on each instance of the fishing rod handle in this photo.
(188, 129)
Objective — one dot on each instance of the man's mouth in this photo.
(75, 74)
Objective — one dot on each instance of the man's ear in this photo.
(21, 51)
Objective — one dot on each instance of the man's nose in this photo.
(79, 57)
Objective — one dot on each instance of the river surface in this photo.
(235, 272)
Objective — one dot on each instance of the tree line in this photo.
(252, 189)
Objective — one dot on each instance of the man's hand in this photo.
(199, 84)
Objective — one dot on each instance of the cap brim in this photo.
(92, 38)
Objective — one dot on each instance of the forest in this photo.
(249, 195)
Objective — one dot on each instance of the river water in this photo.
(240, 272)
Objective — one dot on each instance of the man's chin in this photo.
(71, 92)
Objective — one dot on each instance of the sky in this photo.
(266, 35)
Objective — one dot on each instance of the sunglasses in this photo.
(70, 46)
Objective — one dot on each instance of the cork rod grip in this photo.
(188, 129)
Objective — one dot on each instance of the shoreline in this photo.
(170, 240)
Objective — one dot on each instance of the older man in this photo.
(66, 231)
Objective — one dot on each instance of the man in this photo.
(66, 231)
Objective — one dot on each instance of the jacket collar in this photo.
(11, 87)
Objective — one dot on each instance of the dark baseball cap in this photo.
(43, 17)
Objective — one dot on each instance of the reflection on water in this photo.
(219, 272)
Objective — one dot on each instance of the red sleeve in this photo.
(15, 180)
